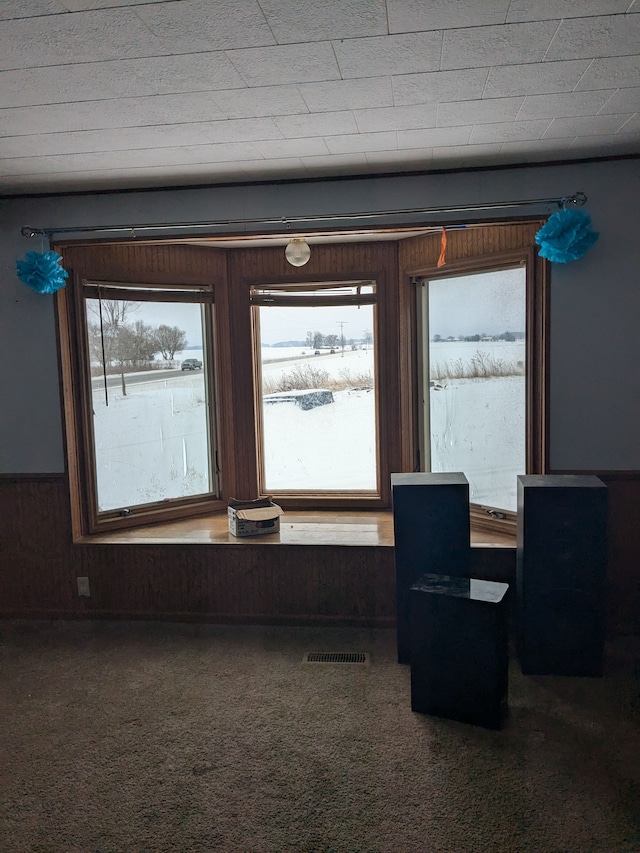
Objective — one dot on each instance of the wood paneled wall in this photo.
(288, 584)
(159, 263)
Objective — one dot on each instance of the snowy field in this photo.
(151, 444)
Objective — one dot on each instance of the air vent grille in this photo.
(336, 657)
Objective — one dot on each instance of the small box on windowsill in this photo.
(251, 518)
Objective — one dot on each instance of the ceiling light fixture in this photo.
(297, 252)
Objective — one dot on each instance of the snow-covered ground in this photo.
(152, 444)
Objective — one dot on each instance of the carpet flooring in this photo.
(121, 737)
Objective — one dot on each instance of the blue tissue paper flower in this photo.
(41, 271)
(566, 236)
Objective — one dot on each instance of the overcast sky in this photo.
(489, 303)
(483, 303)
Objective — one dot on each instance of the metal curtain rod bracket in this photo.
(576, 200)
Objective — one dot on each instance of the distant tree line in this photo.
(317, 340)
(505, 336)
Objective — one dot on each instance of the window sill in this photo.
(315, 528)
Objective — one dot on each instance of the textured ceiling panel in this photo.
(299, 21)
(134, 93)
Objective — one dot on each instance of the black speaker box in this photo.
(561, 561)
(459, 649)
(432, 534)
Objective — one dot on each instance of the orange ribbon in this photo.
(443, 248)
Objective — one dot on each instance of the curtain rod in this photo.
(577, 200)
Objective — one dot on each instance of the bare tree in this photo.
(114, 312)
(169, 340)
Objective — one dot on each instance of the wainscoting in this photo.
(343, 574)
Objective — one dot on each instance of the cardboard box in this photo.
(250, 518)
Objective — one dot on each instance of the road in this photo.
(115, 380)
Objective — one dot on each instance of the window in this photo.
(480, 378)
(312, 385)
(317, 424)
(144, 400)
(149, 401)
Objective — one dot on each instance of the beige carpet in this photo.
(149, 737)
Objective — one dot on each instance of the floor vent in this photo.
(336, 657)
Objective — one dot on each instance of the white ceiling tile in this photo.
(623, 101)
(322, 124)
(141, 92)
(290, 63)
(107, 140)
(402, 54)
(240, 130)
(272, 169)
(119, 178)
(84, 5)
(433, 137)
(175, 109)
(101, 80)
(396, 118)
(297, 21)
(262, 101)
(631, 126)
(361, 142)
(470, 155)
(194, 25)
(19, 9)
(539, 10)
(569, 104)
(412, 158)
(114, 113)
(341, 159)
(508, 131)
(534, 148)
(288, 148)
(537, 78)
(620, 143)
(176, 74)
(407, 16)
(82, 37)
(511, 44)
(439, 86)
(347, 94)
(478, 112)
(611, 35)
(592, 126)
(612, 72)
(343, 163)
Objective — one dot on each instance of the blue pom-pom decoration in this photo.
(41, 271)
(566, 236)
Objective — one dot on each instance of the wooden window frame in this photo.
(537, 386)
(77, 403)
(282, 294)
(230, 273)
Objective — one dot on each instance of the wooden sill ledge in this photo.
(322, 527)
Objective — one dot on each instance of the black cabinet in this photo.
(561, 574)
(459, 649)
(431, 529)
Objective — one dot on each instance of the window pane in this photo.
(318, 398)
(477, 385)
(149, 398)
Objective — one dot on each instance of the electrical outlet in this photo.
(83, 587)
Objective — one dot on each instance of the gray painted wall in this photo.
(595, 302)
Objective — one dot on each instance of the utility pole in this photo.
(342, 324)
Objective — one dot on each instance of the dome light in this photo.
(297, 252)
